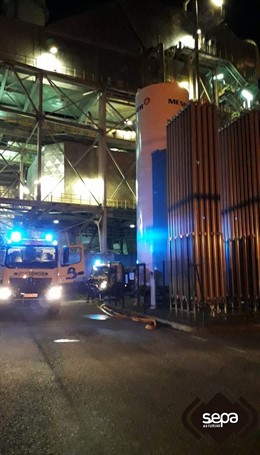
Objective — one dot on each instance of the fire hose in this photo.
(150, 322)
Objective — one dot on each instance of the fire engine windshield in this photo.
(31, 256)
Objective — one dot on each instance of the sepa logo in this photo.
(219, 418)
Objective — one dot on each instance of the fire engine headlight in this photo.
(5, 293)
(103, 285)
(54, 293)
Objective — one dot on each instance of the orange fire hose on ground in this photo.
(150, 322)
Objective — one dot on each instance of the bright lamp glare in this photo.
(54, 293)
(25, 190)
(92, 187)
(184, 84)
(66, 340)
(49, 237)
(103, 285)
(53, 49)
(218, 3)
(48, 61)
(187, 41)
(247, 95)
(16, 236)
(5, 293)
(219, 77)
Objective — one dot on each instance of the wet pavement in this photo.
(88, 383)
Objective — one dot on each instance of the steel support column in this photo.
(22, 182)
(39, 140)
(197, 64)
(102, 152)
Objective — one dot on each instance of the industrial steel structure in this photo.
(54, 154)
(67, 108)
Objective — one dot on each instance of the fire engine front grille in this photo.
(30, 285)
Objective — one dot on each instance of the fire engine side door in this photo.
(71, 264)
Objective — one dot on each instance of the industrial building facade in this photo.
(68, 110)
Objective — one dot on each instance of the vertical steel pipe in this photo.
(39, 138)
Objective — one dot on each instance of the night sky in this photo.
(243, 16)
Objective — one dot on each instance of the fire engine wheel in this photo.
(54, 309)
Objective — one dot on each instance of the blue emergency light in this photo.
(49, 237)
(16, 236)
(97, 262)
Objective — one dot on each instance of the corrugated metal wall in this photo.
(240, 190)
(196, 248)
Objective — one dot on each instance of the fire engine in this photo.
(103, 277)
(37, 268)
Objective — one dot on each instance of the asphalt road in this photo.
(113, 387)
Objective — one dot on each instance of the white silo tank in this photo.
(155, 105)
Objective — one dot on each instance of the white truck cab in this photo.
(37, 269)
